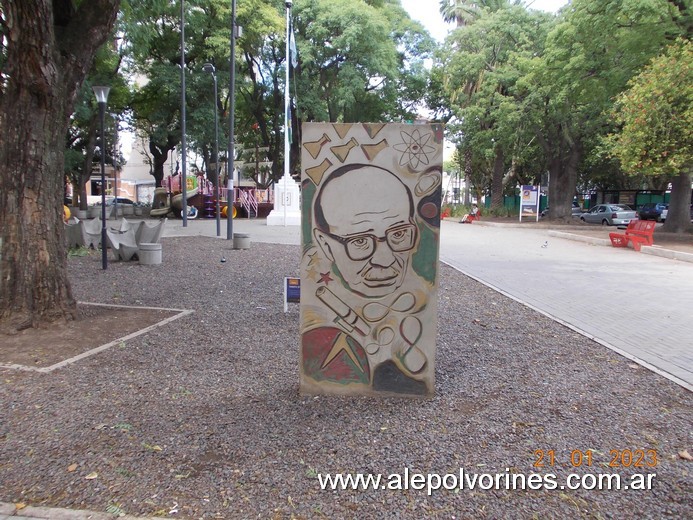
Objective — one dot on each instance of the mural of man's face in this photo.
(371, 232)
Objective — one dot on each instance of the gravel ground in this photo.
(202, 418)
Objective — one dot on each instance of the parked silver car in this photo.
(610, 215)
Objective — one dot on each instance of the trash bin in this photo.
(241, 241)
(149, 254)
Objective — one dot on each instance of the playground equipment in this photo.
(161, 205)
(225, 212)
(201, 202)
(169, 199)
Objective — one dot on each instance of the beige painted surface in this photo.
(369, 270)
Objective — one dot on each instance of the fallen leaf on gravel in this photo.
(651, 439)
(20, 505)
(685, 455)
(633, 365)
(72, 467)
(92, 475)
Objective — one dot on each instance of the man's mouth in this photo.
(380, 277)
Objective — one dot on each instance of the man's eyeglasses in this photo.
(362, 246)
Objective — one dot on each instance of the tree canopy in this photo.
(656, 126)
(656, 120)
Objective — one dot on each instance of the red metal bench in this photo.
(638, 232)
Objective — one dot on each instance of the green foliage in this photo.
(568, 90)
(78, 251)
(501, 212)
(457, 210)
(107, 69)
(656, 120)
(481, 63)
(358, 61)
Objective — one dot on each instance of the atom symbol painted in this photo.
(414, 148)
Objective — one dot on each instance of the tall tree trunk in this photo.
(50, 47)
(34, 275)
(468, 175)
(160, 155)
(562, 182)
(85, 175)
(497, 183)
(564, 155)
(679, 215)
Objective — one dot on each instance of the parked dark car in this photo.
(652, 211)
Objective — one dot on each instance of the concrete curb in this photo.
(667, 253)
(10, 512)
(648, 250)
(580, 238)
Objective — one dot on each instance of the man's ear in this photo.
(321, 239)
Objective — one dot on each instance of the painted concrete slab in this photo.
(369, 267)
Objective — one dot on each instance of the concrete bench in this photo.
(150, 234)
(122, 243)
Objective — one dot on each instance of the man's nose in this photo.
(383, 256)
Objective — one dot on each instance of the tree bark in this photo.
(562, 182)
(564, 156)
(468, 175)
(497, 183)
(160, 155)
(50, 47)
(679, 215)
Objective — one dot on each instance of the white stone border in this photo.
(65, 362)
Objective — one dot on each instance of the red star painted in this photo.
(325, 278)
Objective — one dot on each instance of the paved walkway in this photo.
(639, 305)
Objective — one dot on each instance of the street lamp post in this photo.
(208, 67)
(183, 144)
(115, 165)
(101, 94)
(232, 110)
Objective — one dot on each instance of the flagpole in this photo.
(183, 144)
(287, 122)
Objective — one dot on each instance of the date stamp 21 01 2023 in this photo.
(622, 458)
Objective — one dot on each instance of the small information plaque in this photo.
(292, 291)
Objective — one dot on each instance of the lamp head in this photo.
(208, 67)
(288, 3)
(101, 93)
